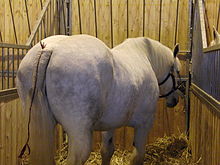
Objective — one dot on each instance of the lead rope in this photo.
(30, 107)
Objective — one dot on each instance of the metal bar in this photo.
(13, 67)
(6, 45)
(188, 61)
(10, 73)
(11, 56)
(31, 38)
(18, 57)
(13, 22)
(3, 68)
(8, 68)
(29, 27)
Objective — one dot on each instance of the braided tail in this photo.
(38, 81)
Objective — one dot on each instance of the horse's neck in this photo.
(149, 50)
(161, 68)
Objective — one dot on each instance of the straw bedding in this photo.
(165, 151)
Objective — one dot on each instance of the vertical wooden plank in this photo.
(135, 18)
(169, 8)
(158, 126)
(23, 23)
(22, 127)
(183, 24)
(104, 21)
(88, 17)
(14, 133)
(119, 17)
(152, 19)
(75, 17)
(9, 34)
(2, 20)
(8, 128)
(2, 135)
(183, 30)
(179, 118)
(191, 126)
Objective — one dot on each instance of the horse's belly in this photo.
(119, 108)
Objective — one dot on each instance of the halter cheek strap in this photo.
(161, 83)
(173, 88)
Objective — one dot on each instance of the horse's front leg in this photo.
(107, 149)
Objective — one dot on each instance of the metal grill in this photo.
(10, 57)
(54, 19)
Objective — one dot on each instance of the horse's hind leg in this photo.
(107, 149)
(140, 138)
(80, 146)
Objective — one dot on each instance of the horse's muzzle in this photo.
(173, 102)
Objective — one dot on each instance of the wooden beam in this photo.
(206, 98)
(35, 29)
(202, 22)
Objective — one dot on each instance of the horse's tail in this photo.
(38, 89)
(40, 68)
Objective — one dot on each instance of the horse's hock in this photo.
(25, 23)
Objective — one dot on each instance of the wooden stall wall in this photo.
(204, 127)
(13, 129)
(113, 21)
(24, 14)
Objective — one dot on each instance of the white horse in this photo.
(88, 87)
(216, 36)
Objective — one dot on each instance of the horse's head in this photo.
(168, 86)
(216, 36)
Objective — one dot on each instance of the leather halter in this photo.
(174, 88)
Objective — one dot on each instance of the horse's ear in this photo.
(215, 32)
(176, 50)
